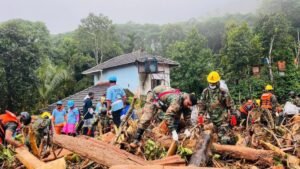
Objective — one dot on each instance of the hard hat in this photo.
(268, 87)
(213, 77)
(45, 115)
(257, 102)
(59, 103)
(112, 78)
(70, 103)
(25, 118)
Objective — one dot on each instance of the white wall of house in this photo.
(129, 77)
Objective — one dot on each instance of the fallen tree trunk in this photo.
(264, 156)
(97, 151)
(157, 167)
(199, 157)
(28, 159)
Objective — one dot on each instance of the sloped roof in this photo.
(128, 59)
(78, 97)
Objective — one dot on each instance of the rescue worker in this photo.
(115, 97)
(171, 101)
(246, 108)
(268, 99)
(217, 105)
(9, 123)
(41, 127)
(294, 99)
(269, 105)
(215, 101)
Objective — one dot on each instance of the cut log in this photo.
(157, 167)
(264, 156)
(97, 151)
(199, 157)
(28, 159)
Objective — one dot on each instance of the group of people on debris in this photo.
(214, 106)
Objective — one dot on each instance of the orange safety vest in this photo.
(244, 108)
(266, 101)
(4, 119)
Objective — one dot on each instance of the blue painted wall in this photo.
(128, 76)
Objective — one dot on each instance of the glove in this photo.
(233, 120)
(187, 133)
(91, 110)
(200, 119)
(122, 117)
(174, 135)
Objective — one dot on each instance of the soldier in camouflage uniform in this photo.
(294, 99)
(216, 102)
(171, 101)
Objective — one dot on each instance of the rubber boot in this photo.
(137, 137)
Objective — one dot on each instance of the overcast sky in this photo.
(64, 15)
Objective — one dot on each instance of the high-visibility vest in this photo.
(244, 107)
(266, 101)
(4, 119)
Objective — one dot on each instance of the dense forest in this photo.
(37, 68)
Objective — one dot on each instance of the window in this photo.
(155, 82)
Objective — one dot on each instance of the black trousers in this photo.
(117, 117)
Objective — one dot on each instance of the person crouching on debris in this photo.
(59, 117)
(246, 108)
(72, 119)
(171, 101)
(217, 105)
(9, 123)
(42, 127)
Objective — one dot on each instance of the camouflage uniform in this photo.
(216, 102)
(295, 101)
(172, 105)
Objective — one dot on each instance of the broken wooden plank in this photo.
(97, 151)
(28, 159)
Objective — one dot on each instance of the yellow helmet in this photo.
(257, 102)
(45, 115)
(269, 87)
(213, 77)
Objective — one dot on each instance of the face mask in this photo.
(212, 86)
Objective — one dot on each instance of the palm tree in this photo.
(51, 77)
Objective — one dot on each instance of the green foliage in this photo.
(7, 157)
(184, 152)
(195, 62)
(22, 45)
(96, 34)
(50, 78)
(153, 151)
